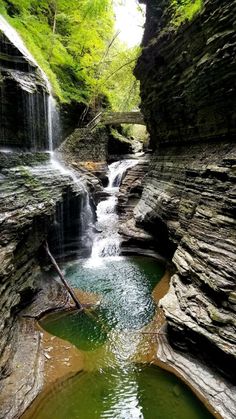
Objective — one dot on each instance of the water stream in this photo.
(116, 343)
(107, 241)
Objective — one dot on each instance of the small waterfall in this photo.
(82, 217)
(116, 172)
(107, 241)
(54, 123)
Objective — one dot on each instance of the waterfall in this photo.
(84, 215)
(36, 101)
(40, 114)
(116, 172)
(107, 240)
(16, 40)
(54, 123)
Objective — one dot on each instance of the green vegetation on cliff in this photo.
(67, 38)
(75, 44)
(185, 9)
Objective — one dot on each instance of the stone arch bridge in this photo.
(117, 118)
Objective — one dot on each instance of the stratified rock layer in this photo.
(188, 93)
(134, 239)
(31, 197)
(188, 74)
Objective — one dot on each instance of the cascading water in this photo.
(16, 40)
(107, 241)
(54, 123)
(116, 172)
(22, 114)
(83, 218)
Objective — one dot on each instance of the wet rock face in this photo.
(188, 93)
(28, 200)
(134, 239)
(25, 379)
(87, 145)
(86, 150)
(23, 104)
(131, 188)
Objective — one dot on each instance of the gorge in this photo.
(119, 223)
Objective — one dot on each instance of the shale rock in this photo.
(187, 77)
(131, 188)
(26, 378)
(29, 198)
(134, 238)
(208, 383)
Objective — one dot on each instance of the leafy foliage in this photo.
(185, 9)
(115, 77)
(75, 44)
(67, 38)
(120, 84)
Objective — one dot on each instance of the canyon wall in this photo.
(187, 77)
(31, 198)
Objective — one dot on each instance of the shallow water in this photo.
(136, 393)
(113, 383)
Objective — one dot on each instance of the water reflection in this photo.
(113, 385)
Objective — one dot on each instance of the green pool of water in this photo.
(113, 385)
(124, 287)
(136, 393)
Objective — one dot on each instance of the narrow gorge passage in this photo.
(117, 148)
(116, 344)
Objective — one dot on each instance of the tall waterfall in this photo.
(35, 128)
(40, 116)
(107, 240)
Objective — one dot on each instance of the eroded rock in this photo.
(187, 77)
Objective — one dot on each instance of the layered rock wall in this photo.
(188, 94)
(187, 74)
(29, 196)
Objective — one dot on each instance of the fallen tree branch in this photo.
(69, 289)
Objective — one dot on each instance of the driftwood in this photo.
(69, 289)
